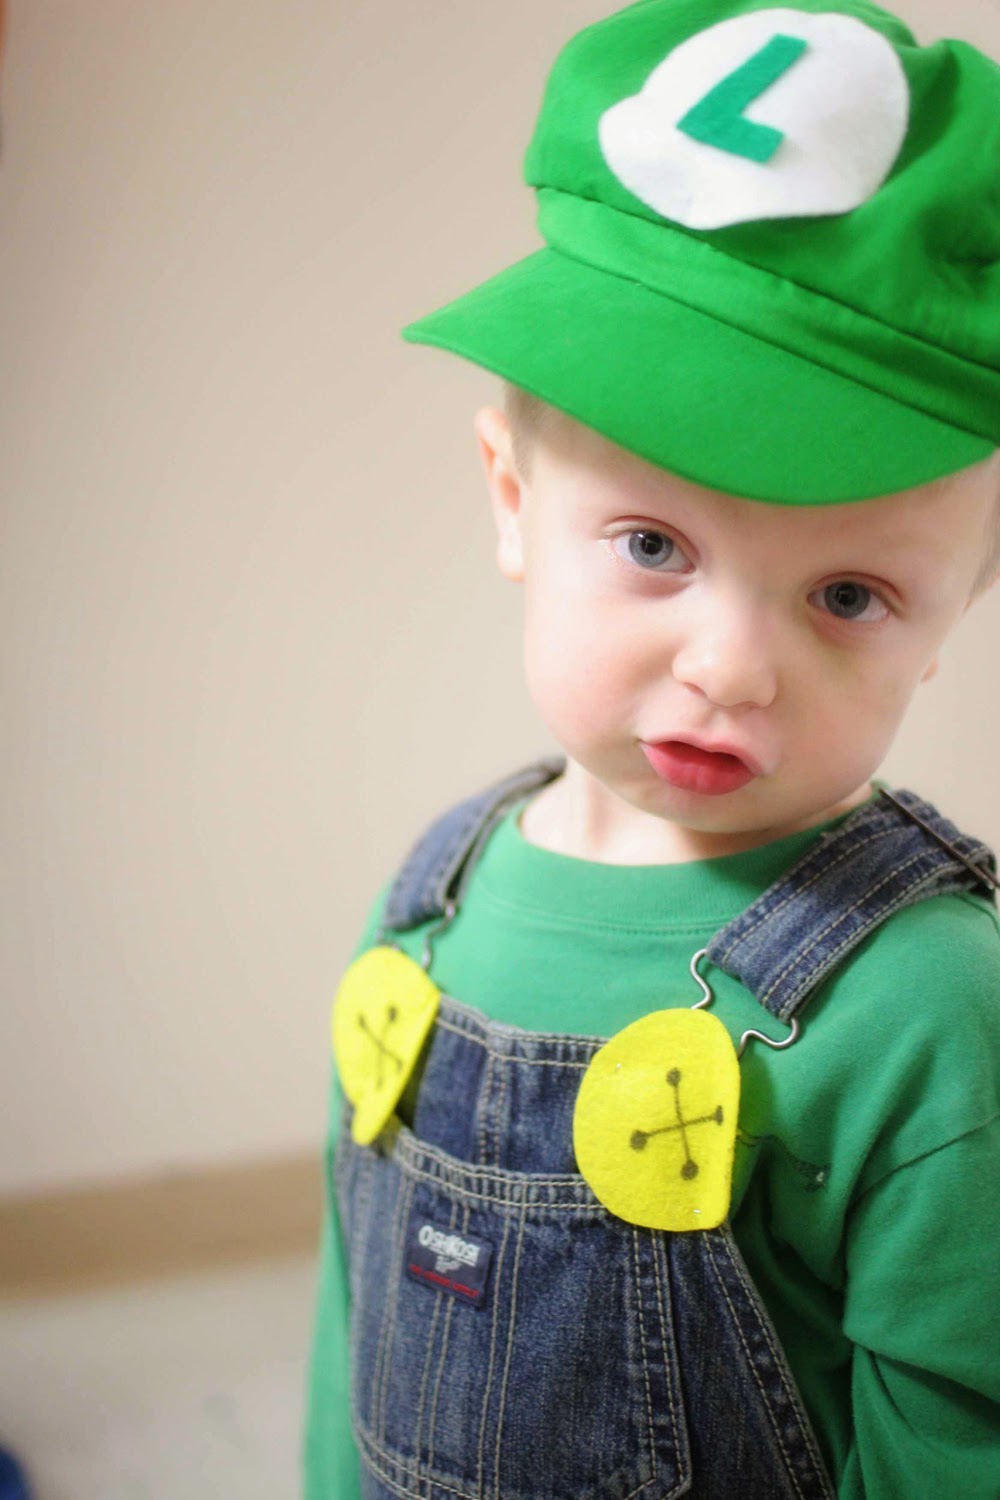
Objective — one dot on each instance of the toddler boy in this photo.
(748, 476)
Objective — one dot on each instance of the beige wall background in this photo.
(252, 636)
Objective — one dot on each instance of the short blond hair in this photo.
(990, 565)
(526, 414)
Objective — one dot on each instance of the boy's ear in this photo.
(506, 489)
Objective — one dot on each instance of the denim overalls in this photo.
(567, 1354)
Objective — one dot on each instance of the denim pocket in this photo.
(509, 1339)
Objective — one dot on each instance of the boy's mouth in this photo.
(713, 773)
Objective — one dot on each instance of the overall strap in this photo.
(889, 853)
(435, 872)
(879, 860)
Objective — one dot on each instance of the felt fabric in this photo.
(382, 1012)
(654, 1130)
(862, 1149)
(718, 119)
(812, 327)
(827, 90)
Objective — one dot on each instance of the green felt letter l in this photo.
(717, 119)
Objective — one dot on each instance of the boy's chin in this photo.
(763, 809)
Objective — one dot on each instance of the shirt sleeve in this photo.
(923, 1310)
(330, 1457)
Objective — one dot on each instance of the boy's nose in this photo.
(729, 659)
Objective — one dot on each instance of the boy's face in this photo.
(657, 611)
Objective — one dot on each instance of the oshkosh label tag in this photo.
(447, 1261)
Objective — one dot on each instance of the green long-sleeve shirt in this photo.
(865, 1188)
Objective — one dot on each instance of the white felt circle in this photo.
(842, 106)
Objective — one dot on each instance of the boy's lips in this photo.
(693, 766)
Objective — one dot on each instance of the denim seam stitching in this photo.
(363, 1216)
(795, 889)
(406, 1201)
(381, 1353)
(500, 1115)
(593, 1209)
(494, 1178)
(426, 1382)
(510, 1349)
(905, 899)
(480, 1457)
(438, 1382)
(387, 1464)
(443, 1356)
(479, 1026)
(462, 841)
(645, 1362)
(803, 953)
(775, 907)
(536, 1036)
(666, 1334)
(376, 1380)
(850, 941)
(429, 881)
(481, 1110)
(407, 1206)
(490, 809)
(364, 1180)
(805, 1430)
(844, 855)
(428, 1360)
(853, 937)
(422, 1393)
(536, 1062)
(775, 1425)
(380, 1463)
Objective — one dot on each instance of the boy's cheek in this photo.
(864, 722)
(572, 641)
(891, 696)
(574, 685)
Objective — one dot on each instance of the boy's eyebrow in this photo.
(629, 502)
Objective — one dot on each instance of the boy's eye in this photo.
(650, 549)
(853, 601)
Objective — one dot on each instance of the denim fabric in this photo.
(603, 1362)
(512, 1340)
(875, 863)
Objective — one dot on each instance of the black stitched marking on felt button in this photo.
(689, 1167)
(384, 1051)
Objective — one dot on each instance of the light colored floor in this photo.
(189, 1389)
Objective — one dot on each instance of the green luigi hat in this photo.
(772, 259)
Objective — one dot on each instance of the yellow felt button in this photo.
(654, 1128)
(382, 1012)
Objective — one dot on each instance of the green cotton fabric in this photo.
(800, 360)
(866, 1194)
(717, 120)
(935, 222)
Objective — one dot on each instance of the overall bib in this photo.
(565, 1354)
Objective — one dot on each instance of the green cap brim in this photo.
(725, 409)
